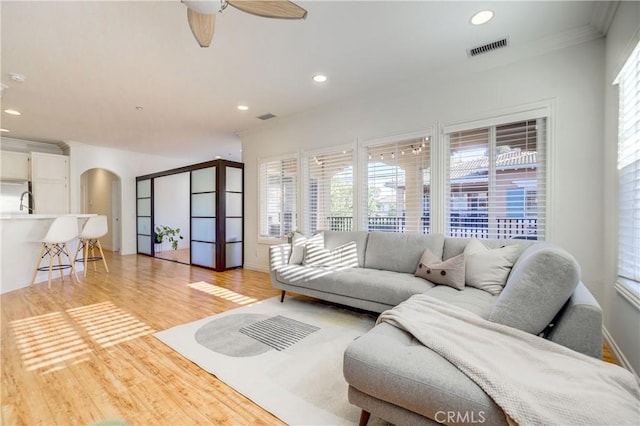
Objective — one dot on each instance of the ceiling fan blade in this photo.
(202, 26)
(270, 8)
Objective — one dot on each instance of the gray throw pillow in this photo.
(449, 272)
(488, 269)
(541, 282)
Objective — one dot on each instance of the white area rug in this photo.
(286, 357)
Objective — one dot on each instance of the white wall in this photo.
(622, 316)
(124, 164)
(570, 78)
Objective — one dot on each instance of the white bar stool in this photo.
(96, 227)
(62, 230)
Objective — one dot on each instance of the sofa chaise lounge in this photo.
(392, 375)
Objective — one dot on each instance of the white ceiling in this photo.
(89, 64)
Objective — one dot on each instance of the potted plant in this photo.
(166, 233)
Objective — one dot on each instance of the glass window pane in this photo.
(203, 229)
(144, 244)
(234, 230)
(233, 253)
(234, 179)
(234, 204)
(144, 188)
(144, 207)
(398, 186)
(329, 194)
(203, 204)
(203, 254)
(144, 225)
(278, 197)
(203, 180)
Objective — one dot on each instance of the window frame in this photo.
(534, 111)
(363, 148)
(265, 239)
(304, 223)
(627, 287)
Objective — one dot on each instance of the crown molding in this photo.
(602, 16)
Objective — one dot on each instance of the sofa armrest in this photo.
(578, 325)
(279, 255)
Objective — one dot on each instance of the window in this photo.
(278, 194)
(629, 169)
(496, 181)
(329, 193)
(398, 186)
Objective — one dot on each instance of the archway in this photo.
(101, 194)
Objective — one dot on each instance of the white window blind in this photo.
(496, 181)
(398, 186)
(278, 194)
(329, 193)
(629, 169)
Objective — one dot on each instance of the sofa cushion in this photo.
(333, 239)
(400, 252)
(389, 364)
(389, 288)
(298, 274)
(488, 269)
(344, 256)
(449, 272)
(472, 299)
(542, 280)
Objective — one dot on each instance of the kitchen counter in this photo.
(20, 236)
(22, 216)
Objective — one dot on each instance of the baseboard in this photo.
(256, 267)
(617, 351)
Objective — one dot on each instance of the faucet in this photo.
(31, 203)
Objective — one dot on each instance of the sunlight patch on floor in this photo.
(47, 341)
(109, 325)
(223, 293)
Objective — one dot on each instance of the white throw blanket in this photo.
(533, 380)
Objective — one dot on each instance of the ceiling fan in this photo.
(201, 13)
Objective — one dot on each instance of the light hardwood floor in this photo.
(83, 352)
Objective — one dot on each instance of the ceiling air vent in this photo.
(267, 116)
(486, 48)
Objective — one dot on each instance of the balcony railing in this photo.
(375, 223)
(460, 226)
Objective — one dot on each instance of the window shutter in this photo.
(496, 181)
(468, 192)
(329, 194)
(398, 186)
(518, 204)
(278, 194)
(629, 169)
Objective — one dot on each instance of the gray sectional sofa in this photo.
(389, 373)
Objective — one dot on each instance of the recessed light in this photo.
(12, 112)
(243, 107)
(482, 17)
(218, 157)
(4, 130)
(319, 78)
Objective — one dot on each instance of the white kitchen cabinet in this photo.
(50, 182)
(15, 166)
